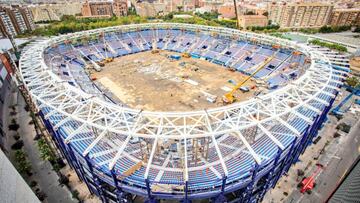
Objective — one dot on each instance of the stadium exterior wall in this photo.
(253, 189)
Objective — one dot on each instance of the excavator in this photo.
(229, 98)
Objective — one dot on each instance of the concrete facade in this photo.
(15, 20)
(342, 17)
(97, 9)
(106, 8)
(120, 7)
(300, 15)
(13, 188)
(49, 12)
(252, 20)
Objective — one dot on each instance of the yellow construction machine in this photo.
(186, 55)
(108, 59)
(155, 51)
(229, 98)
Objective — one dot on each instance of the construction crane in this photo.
(236, 14)
(229, 98)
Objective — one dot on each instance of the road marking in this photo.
(336, 157)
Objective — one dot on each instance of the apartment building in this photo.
(104, 8)
(120, 7)
(6, 24)
(28, 18)
(97, 9)
(49, 12)
(227, 11)
(300, 15)
(252, 21)
(15, 20)
(340, 17)
(20, 26)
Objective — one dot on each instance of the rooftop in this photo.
(348, 9)
(5, 43)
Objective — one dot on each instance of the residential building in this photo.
(340, 17)
(29, 20)
(15, 20)
(189, 5)
(50, 12)
(97, 9)
(6, 24)
(120, 7)
(145, 8)
(213, 4)
(204, 9)
(197, 3)
(104, 8)
(23, 18)
(300, 15)
(246, 21)
(227, 11)
(248, 8)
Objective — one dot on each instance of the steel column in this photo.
(96, 180)
(82, 173)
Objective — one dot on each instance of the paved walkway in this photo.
(339, 154)
(43, 174)
(343, 153)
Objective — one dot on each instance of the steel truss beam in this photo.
(93, 114)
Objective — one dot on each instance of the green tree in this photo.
(23, 164)
(330, 29)
(132, 11)
(169, 16)
(68, 18)
(179, 8)
(329, 45)
(46, 152)
(208, 15)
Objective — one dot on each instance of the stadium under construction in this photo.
(221, 148)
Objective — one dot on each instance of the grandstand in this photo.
(235, 152)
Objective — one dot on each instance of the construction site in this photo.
(167, 81)
(148, 110)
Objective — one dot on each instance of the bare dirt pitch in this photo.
(355, 63)
(151, 81)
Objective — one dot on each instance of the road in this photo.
(343, 153)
